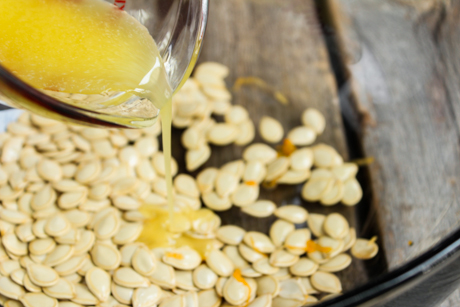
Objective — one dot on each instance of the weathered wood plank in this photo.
(280, 42)
(405, 74)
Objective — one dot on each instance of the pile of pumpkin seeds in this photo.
(71, 201)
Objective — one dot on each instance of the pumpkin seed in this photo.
(204, 278)
(18, 276)
(14, 217)
(122, 294)
(71, 200)
(145, 297)
(49, 170)
(85, 243)
(314, 189)
(365, 249)
(236, 291)
(163, 276)
(245, 195)
(98, 282)
(336, 226)
(336, 264)
(262, 301)
(259, 242)
(326, 156)
(38, 300)
(247, 132)
(296, 241)
(279, 231)
(186, 185)
(349, 239)
(215, 202)
(292, 289)
(281, 258)
(282, 274)
(277, 168)
(63, 289)
(192, 138)
(127, 277)
(42, 275)
(260, 152)
(42, 246)
(345, 171)
(57, 226)
(128, 233)
(334, 194)
(13, 245)
(230, 234)
(304, 267)
(270, 129)
(301, 136)
(9, 266)
(234, 255)
(71, 266)
(143, 261)
(264, 267)
(184, 280)
(196, 157)
(105, 256)
(268, 285)
(326, 282)
(261, 208)
(352, 192)
(184, 258)
(30, 286)
(43, 199)
(222, 134)
(83, 295)
(314, 119)
(292, 213)
(219, 263)
(249, 254)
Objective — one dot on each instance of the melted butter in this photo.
(157, 230)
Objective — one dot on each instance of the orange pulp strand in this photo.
(237, 275)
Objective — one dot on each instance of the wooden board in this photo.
(404, 68)
(280, 42)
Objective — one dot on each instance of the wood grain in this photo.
(404, 72)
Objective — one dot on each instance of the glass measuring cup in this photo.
(177, 27)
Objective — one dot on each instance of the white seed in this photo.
(334, 194)
(230, 234)
(336, 264)
(143, 261)
(38, 300)
(59, 255)
(326, 156)
(42, 246)
(49, 170)
(365, 249)
(304, 267)
(352, 192)
(204, 278)
(105, 256)
(63, 289)
(345, 171)
(71, 200)
(267, 285)
(301, 159)
(279, 231)
(184, 280)
(236, 292)
(226, 183)
(294, 177)
(301, 136)
(42, 275)
(281, 258)
(285, 302)
(85, 243)
(18, 276)
(246, 134)
(292, 289)
(88, 172)
(336, 226)
(127, 252)
(206, 179)
(13, 216)
(259, 242)
(186, 185)
(264, 267)
(245, 195)
(322, 173)
(217, 70)
(314, 189)
(57, 226)
(158, 163)
(197, 157)
(271, 130)
(163, 276)
(43, 199)
(249, 253)
(349, 239)
(122, 294)
(234, 255)
(11, 149)
(292, 213)
(72, 265)
(236, 115)
(315, 223)
(84, 296)
(125, 203)
(249, 272)
(184, 258)
(219, 263)
(9, 266)
(261, 208)
(10, 289)
(99, 283)
(282, 274)
(314, 119)
(124, 186)
(193, 138)
(260, 152)
(222, 134)
(335, 245)
(128, 233)
(277, 168)
(13, 245)
(145, 297)
(127, 277)
(326, 282)
(296, 241)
